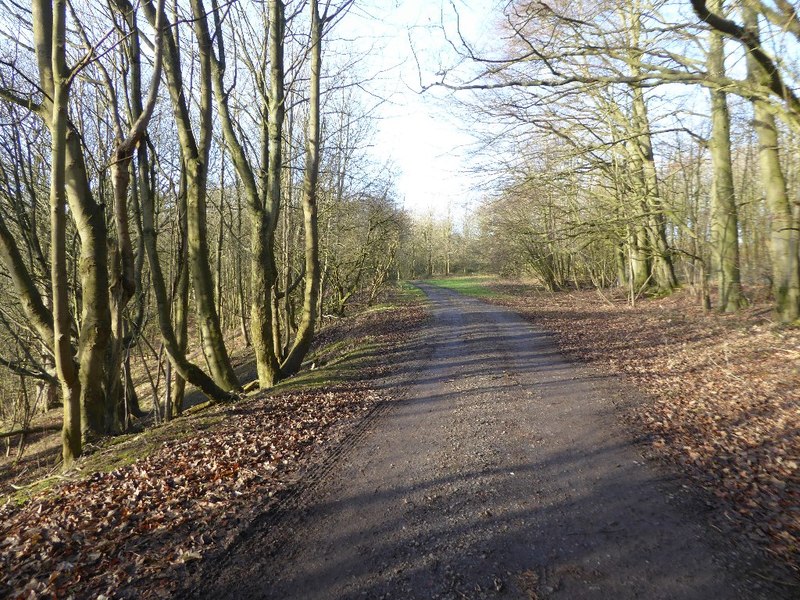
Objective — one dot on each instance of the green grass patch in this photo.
(25, 493)
(339, 369)
(473, 285)
(409, 291)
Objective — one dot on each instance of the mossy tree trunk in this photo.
(305, 331)
(767, 78)
(53, 17)
(195, 151)
(784, 226)
(172, 345)
(180, 304)
(89, 219)
(725, 219)
(263, 204)
(662, 270)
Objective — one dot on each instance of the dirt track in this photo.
(503, 473)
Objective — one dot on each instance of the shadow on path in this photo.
(504, 473)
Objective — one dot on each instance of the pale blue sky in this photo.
(419, 133)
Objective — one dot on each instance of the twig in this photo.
(778, 581)
(607, 301)
(727, 371)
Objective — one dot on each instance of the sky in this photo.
(418, 132)
(422, 134)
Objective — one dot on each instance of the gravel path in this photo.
(504, 473)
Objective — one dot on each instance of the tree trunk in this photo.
(188, 371)
(264, 273)
(95, 324)
(240, 291)
(89, 219)
(180, 303)
(263, 207)
(65, 365)
(195, 158)
(33, 304)
(305, 332)
(220, 244)
(208, 320)
(663, 273)
(784, 229)
(725, 219)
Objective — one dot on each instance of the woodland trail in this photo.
(503, 473)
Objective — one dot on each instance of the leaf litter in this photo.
(124, 533)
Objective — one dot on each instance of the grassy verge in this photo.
(411, 291)
(341, 353)
(472, 285)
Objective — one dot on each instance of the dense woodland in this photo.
(179, 180)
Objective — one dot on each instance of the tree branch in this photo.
(750, 40)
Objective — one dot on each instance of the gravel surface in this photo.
(502, 473)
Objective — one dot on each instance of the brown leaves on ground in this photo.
(724, 396)
(94, 537)
(103, 531)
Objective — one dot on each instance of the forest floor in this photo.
(142, 507)
(471, 454)
(505, 470)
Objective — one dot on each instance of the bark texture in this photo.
(784, 226)
(305, 331)
(725, 220)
